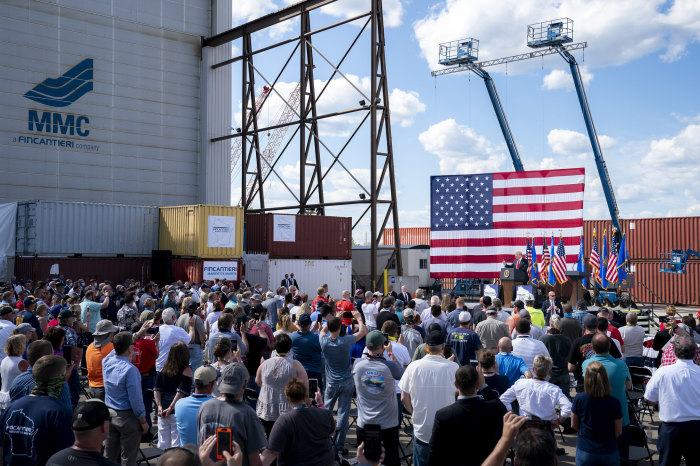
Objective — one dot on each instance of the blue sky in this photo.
(641, 73)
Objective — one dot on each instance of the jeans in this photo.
(124, 435)
(342, 393)
(147, 382)
(634, 361)
(583, 458)
(74, 387)
(421, 451)
(252, 402)
(196, 358)
(390, 442)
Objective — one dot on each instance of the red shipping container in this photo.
(114, 269)
(315, 237)
(409, 236)
(672, 288)
(191, 269)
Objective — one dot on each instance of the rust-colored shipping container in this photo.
(192, 269)
(648, 238)
(298, 236)
(409, 236)
(115, 269)
(672, 288)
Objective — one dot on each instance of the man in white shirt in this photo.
(171, 334)
(400, 352)
(369, 309)
(537, 397)
(427, 385)
(676, 389)
(427, 312)
(421, 304)
(526, 347)
(7, 316)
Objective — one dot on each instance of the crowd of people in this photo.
(224, 373)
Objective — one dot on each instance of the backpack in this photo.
(411, 338)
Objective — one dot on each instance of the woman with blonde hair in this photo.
(597, 415)
(671, 313)
(286, 325)
(446, 300)
(12, 366)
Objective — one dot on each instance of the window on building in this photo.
(393, 264)
(423, 263)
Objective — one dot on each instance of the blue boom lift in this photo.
(676, 260)
(465, 53)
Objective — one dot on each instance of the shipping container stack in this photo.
(647, 240)
(199, 242)
(316, 249)
(84, 240)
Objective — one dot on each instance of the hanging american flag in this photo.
(544, 265)
(477, 221)
(612, 259)
(528, 256)
(595, 258)
(559, 262)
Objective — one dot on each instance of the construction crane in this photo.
(238, 142)
(464, 54)
(276, 136)
(674, 262)
(553, 35)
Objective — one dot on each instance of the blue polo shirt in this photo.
(306, 349)
(511, 366)
(618, 374)
(186, 410)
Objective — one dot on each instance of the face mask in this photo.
(52, 387)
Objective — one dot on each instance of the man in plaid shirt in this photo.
(668, 356)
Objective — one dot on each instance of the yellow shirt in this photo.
(536, 316)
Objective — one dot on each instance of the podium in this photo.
(575, 276)
(510, 277)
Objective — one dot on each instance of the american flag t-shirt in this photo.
(479, 220)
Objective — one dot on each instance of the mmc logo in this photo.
(61, 92)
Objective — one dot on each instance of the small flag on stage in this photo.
(580, 266)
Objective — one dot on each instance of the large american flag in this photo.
(477, 221)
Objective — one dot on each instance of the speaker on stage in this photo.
(162, 266)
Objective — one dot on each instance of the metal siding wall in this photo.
(318, 237)
(183, 230)
(143, 111)
(256, 266)
(67, 228)
(191, 269)
(409, 236)
(673, 288)
(312, 273)
(215, 173)
(116, 269)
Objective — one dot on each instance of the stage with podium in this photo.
(510, 278)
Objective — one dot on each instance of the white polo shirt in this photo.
(526, 348)
(431, 383)
(677, 390)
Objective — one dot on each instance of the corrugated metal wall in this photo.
(47, 228)
(647, 239)
(144, 136)
(317, 237)
(115, 269)
(184, 230)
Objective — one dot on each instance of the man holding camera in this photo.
(374, 378)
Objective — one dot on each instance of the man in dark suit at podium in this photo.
(519, 262)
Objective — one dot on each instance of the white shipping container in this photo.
(53, 228)
(309, 273)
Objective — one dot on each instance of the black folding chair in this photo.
(639, 446)
(640, 378)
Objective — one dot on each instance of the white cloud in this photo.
(393, 10)
(460, 149)
(567, 142)
(561, 79)
(405, 106)
(616, 32)
(246, 10)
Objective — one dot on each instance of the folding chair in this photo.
(640, 377)
(406, 453)
(84, 386)
(148, 454)
(639, 446)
